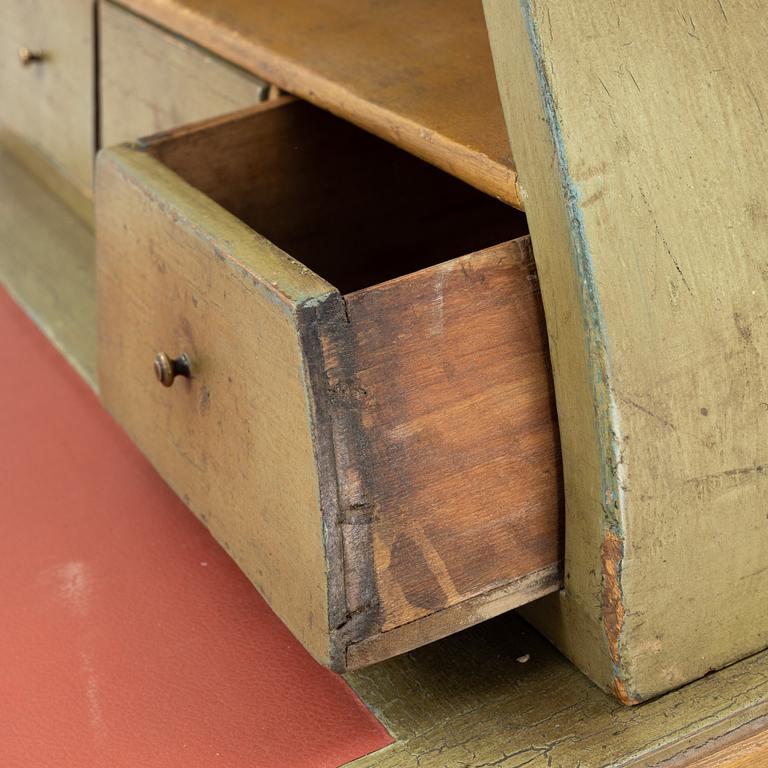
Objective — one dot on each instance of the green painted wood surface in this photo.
(466, 702)
(47, 264)
(640, 137)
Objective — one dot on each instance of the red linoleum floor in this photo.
(127, 636)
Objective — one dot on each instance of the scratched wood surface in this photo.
(418, 395)
(51, 104)
(415, 72)
(460, 455)
(640, 137)
(151, 80)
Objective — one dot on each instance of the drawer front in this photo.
(50, 103)
(234, 440)
(152, 80)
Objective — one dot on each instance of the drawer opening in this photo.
(353, 208)
(383, 465)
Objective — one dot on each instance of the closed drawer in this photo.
(367, 424)
(49, 103)
(152, 80)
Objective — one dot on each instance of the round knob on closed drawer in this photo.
(168, 368)
(27, 56)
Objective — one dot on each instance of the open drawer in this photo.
(359, 404)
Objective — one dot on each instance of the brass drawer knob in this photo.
(27, 56)
(167, 368)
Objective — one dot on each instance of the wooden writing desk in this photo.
(419, 75)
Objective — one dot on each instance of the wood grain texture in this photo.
(373, 64)
(343, 202)
(51, 104)
(176, 273)
(151, 80)
(641, 142)
(47, 264)
(441, 623)
(467, 701)
(747, 752)
(459, 461)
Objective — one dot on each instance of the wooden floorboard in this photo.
(746, 748)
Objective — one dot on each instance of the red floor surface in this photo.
(127, 636)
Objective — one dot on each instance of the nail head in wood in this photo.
(28, 57)
(167, 368)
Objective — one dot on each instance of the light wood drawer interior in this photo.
(152, 80)
(368, 427)
(49, 104)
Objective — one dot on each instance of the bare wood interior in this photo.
(462, 449)
(431, 379)
(348, 205)
(452, 498)
(418, 73)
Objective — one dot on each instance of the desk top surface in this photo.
(417, 73)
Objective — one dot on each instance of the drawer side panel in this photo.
(462, 461)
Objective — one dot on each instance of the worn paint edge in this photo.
(332, 422)
(277, 275)
(607, 419)
(357, 512)
(207, 229)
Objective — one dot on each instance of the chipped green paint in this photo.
(607, 414)
(466, 702)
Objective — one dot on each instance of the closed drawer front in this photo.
(152, 80)
(47, 82)
(367, 424)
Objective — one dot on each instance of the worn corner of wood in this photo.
(337, 653)
(115, 160)
(613, 612)
(619, 690)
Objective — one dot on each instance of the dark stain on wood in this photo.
(461, 429)
(414, 573)
(353, 516)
